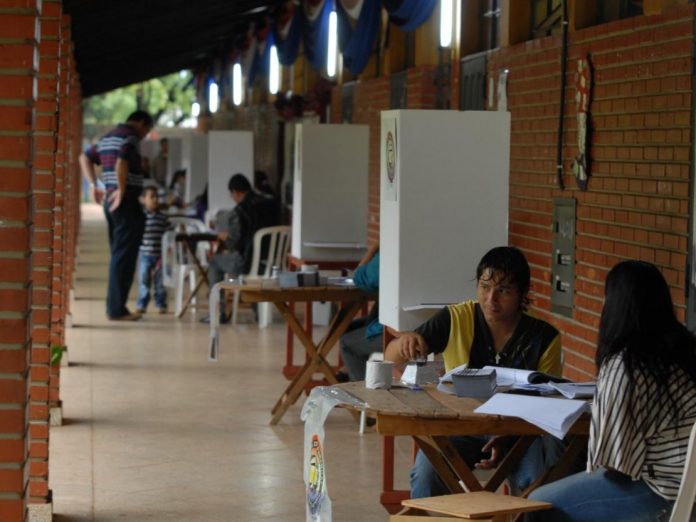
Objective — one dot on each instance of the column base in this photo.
(40, 512)
(55, 414)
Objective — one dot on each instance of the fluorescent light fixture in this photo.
(274, 72)
(213, 97)
(237, 84)
(446, 12)
(333, 43)
(195, 109)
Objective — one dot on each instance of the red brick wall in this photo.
(45, 132)
(637, 204)
(18, 66)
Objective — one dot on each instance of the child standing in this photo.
(150, 269)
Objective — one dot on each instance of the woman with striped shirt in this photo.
(643, 412)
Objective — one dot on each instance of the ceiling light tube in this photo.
(237, 84)
(274, 72)
(332, 45)
(446, 12)
(213, 97)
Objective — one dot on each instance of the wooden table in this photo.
(190, 242)
(431, 417)
(352, 299)
(295, 264)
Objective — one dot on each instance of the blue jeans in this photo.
(149, 273)
(126, 227)
(356, 349)
(541, 455)
(601, 495)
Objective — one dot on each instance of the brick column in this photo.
(45, 133)
(18, 68)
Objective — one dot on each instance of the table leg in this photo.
(509, 462)
(316, 355)
(564, 465)
(435, 449)
(193, 293)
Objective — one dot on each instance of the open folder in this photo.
(556, 416)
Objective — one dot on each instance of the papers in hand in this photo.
(555, 416)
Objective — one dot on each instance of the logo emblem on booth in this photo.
(315, 491)
(391, 157)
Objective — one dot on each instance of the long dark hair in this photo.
(638, 322)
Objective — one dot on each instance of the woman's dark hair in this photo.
(511, 263)
(638, 322)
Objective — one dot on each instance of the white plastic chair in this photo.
(681, 512)
(277, 255)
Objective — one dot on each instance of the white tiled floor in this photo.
(155, 432)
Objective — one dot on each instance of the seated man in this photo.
(236, 230)
(494, 330)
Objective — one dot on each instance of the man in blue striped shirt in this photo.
(118, 153)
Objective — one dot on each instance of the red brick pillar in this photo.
(18, 68)
(45, 136)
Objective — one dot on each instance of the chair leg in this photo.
(265, 311)
(235, 306)
(179, 293)
(192, 287)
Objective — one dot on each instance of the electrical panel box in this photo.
(563, 261)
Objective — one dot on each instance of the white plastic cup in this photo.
(378, 375)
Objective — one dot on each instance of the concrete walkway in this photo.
(154, 432)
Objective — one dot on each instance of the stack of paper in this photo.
(479, 384)
(555, 416)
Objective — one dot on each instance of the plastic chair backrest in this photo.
(681, 512)
(276, 254)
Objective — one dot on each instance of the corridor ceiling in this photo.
(120, 42)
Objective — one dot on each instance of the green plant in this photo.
(57, 353)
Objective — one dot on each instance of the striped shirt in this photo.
(121, 142)
(653, 448)
(156, 225)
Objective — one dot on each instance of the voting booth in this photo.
(444, 178)
(195, 161)
(229, 153)
(330, 192)
(150, 149)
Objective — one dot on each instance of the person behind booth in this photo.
(642, 413)
(364, 335)
(493, 330)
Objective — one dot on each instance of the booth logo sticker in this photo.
(315, 490)
(391, 157)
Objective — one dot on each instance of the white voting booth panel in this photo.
(229, 153)
(194, 158)
(444, 203)
(330, 192)
(195, 161)
(151, 148)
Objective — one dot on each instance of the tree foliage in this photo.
(168, 99)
